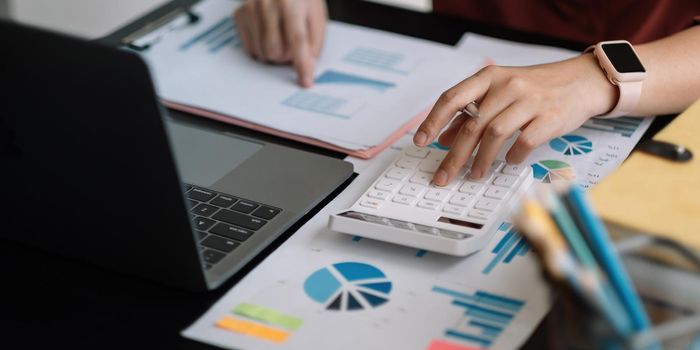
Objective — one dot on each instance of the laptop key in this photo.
(220, 243)
(192, 203)
(203, 223)
(204, 209)
(223, 201)
(266, 212)
(201, 235)
(239, 219)
(212, 256)
(200, 194)
(233, 232)
(244, 206)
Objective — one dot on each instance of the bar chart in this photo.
(216, 37)
(509, 247)
(624, 126)
(485, 318)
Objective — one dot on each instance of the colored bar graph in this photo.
(507, 249)
(267, 315)
(486, 315)
(381, 60)
(624, 126)
(217, 36)
(252, 329)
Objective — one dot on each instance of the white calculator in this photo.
(402, 206)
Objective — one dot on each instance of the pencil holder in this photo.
(674, 326)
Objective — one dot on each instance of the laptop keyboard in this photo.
(224, 222)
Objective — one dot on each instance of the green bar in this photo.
(267, 315)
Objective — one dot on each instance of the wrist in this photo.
(601, 94)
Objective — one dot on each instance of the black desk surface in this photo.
(55, 302)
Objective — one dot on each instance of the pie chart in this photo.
(571, 145)
(348, 286)
(549, 171)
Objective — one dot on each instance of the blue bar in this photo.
(453, 293)
(501, 253)
(485, 296)
(486, 326)
(204, 34)
(485, 316)
(421, 253)
(504, 226)
(503, 242)
(480, 310)
(525, 250)
(228, 29)
(625, 134)
(514, 252)
(222, 44)
(468, 337)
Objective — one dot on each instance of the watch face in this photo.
(623, 58)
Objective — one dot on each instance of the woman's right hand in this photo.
(284, 31)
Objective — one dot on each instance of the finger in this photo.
(272, 44)
(255, 30)
(449, 103)
(448, 136)
(298, 43)
(239, 17)
(464, 143)
(318, 18)
(498, 131)
(539, 131)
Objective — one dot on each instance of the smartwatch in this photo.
(624, 69)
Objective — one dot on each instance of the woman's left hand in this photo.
(542, 101)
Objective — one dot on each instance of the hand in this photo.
(542, 101)
(283, 31)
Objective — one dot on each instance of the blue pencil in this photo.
(608, 258)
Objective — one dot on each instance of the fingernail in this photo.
(306, 82)
(420, 138)
(475, 174)
(440, 177)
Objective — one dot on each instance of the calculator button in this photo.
(417, 152)
(408, 163)
(421, 178)
(383, 195)
(462, 200)
(430, 164)
(371, 203)
(452, 235)
(450, 186)
(402, 224)
(484, 179)
(427, 230)
(398, 174)
(437, 195)
(401, 199)
(453, 209)
(412, 190)
(387, 185)
(471, 187)
(496, 192)
(428, 205)
(505, 181)
(479, 214)
(487, 204)
(515, 170)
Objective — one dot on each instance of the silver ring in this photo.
(471, 109)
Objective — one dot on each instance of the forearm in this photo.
(673, 79)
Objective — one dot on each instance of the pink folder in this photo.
(365, 154)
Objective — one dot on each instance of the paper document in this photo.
(326, 290)
(368, 83)
(510, 53)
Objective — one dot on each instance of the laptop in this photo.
(93, 168)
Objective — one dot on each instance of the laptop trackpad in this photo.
(204, 156)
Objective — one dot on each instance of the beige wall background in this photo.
(95, 18)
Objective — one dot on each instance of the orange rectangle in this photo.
(253, 329)
(443, 345)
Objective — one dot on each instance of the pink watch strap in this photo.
(629, 98)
